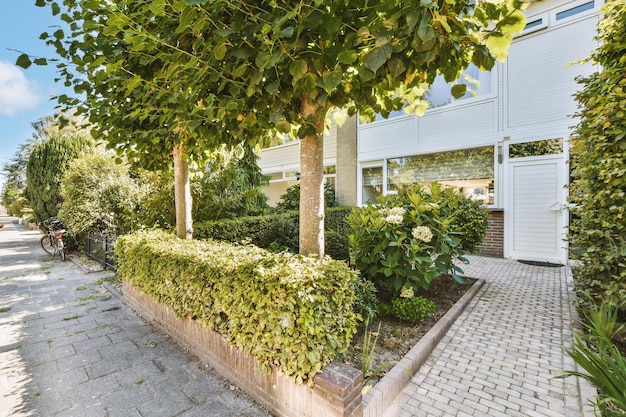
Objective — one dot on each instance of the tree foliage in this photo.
(188, 75)
(598, 191)
(46, 165)
(99, 195)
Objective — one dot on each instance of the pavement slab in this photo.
(69, 348)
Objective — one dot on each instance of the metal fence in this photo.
(101, 248)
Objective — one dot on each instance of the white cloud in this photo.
(17, 93)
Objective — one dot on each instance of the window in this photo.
(372, 180)
(478, 83)
(469, 171)
(538, 148)
(575, 10)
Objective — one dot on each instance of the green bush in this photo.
(413, 309)
(276, 231)
(366, 302)
(290, 200)
(336, 245)
(99, 195)
(603, 363)
(288, 311)
(598, 160)
(471, 221)
(46, 165)
(407, 239)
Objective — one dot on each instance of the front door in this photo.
(535, 221)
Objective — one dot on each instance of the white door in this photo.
(535, 226)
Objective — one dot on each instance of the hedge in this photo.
(277, 231)
(289, 311)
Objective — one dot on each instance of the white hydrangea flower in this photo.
(407, 292)
(395, 215)
(422, 233)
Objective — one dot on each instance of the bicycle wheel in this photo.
(61, 249)
(48, 245)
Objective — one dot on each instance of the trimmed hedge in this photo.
(289, 311)
(278, 231)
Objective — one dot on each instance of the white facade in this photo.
(528, 98)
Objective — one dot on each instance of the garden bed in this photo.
(396, 338)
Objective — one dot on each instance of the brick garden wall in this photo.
(494, 242)
(337, 389)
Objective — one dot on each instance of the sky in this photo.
(25, 95)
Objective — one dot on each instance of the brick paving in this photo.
(70, 348)
(501, 356)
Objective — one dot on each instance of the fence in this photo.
(101, 248)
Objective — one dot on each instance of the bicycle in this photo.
(52, 241)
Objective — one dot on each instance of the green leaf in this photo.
(298, 69)
(498, 45)
(220, 51)
(23, 61)
(40, 3)
(378, 57)
(55, 9)
(41, 61)
(332, 79)
(459, 90)
(425, 31)
(347, 57)
(157, 7)
(59, 34)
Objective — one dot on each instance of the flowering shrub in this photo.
(407, 239)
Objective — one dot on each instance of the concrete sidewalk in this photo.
(501, 356)
(69, 348)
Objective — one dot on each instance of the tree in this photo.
(174, 77)
(99, 195)
(46, 165)
(230, 187)
(599, 162)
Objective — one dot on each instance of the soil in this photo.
(396, 338)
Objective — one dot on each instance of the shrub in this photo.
(46, 165)
(598, 158)
(413, 309)
(604, 365)
(471, 221)
(290, 200)
(408, 238)
(288, 311)
(337, 245)
(99, 195)
(366, 302)
(276, 231)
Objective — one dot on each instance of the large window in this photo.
(478, 84)
(469, 171)
(372, 180)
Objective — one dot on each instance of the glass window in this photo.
(469, 171)
(478, 83)
(575, 10)
(372, 180)
(538, 148)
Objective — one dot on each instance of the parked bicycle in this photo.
(52, 241)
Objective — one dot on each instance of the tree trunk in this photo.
(312, 187)
(182, 194)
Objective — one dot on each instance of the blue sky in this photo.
(25, 95)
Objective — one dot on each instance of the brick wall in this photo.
(337, 389)
(494, 241)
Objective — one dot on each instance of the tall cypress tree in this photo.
(45, 168)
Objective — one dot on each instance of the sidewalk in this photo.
(69, 348)
(501, 356)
